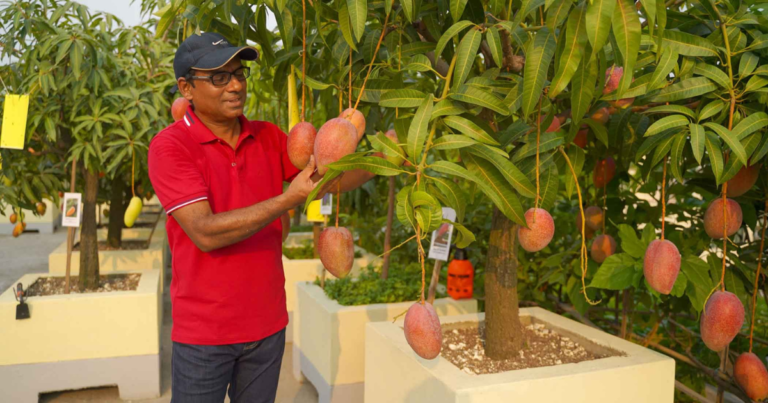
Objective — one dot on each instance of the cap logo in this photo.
(219, 42)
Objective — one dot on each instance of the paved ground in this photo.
(29, 254)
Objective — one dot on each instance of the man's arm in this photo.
(211, 231)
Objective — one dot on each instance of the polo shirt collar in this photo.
(204, 135)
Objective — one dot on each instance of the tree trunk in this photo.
(116, 212)
(296, 217)
(503, 331)
(89, 246)
(388, 230)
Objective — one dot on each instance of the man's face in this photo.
(220, 103)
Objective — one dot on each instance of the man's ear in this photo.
(185, 88)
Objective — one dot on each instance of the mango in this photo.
(335, 139)
(337, 250)
(357, 119)
(541, 229)
(18, 229)
(301, 144)
(13, 218)
(713, 218)
(41, 208)
(661, 265)
(581, 138)
(422, 330)
(722, 319)
(179, 108)
(602, 247)
(751, 375)
(133, 211)
(743, 181)
(594, 216)
(603, 172)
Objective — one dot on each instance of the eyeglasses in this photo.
(222, 78)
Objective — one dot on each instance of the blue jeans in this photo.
(201, 374)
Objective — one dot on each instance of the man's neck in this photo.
(228, 130)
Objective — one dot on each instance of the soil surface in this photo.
(125, 245)
(55, 285)
(464, 348)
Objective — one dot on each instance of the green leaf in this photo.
(677, 155)
(387, 146)
(684, 110)
(755, 83)
(650, 143)
(689, 45)
(698, 140)
(626, 30)
(600, 131)
(454, 196)
(557, 12)
(699, 283)
(599, 15)
(465, 56)
(453, 141)
(711, 109)
(491, 182)
(729, 139)
(376, 165)
(476, 96)
(576, 155)
(330, 175)
(358, 12)
(464, 237)
(405, 98)
(508, 170)
(454, 30)
(616, 273)
(408, 9)
(538, 56)
(494, 43)
(344, 24)
(583, 89)
(630, 243)
(650, 10)
(748, 63)
(453, 169)
(667, 63)
(447, 107)
(417, 132)
(457, 9)
(314, 84)
(550, 185)
(469, 128)
(666, 123)
(713, 73)
(715, 154)
(419, 63)
(689, 88)
(575, 41)
(750, 124)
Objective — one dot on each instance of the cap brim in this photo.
(219, 58)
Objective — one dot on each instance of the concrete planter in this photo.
(45, 224)
(151, 258)
(82, 340)
(135, 233)
(328, 346)
(394, 373)
(297, 270)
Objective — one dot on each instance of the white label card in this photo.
(326, 204)
(72, 209)
(440, 247)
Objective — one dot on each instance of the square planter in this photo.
(297, 270)
(328, 346)
(394, 373)
(45, 224)
(135, 233)
(82, 340)
(111, 261)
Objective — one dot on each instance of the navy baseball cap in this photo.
(208, 51)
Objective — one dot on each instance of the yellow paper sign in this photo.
(313, 212)
(14, 121)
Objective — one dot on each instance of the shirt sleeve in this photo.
(175, 177)
(289, 170)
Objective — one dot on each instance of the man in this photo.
(219, 177)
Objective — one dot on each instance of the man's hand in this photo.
(303, 185)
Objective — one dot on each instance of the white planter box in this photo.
(297, 270)
(82, 340)
(135, 233)
(151, 258)
(45, 224)
(328, 345)
(394, 373)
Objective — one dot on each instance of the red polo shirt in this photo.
(234, 294)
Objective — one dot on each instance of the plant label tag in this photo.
(14, 121)
(440, 247)
(313, 212)
(72, 209)
(326, 204)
